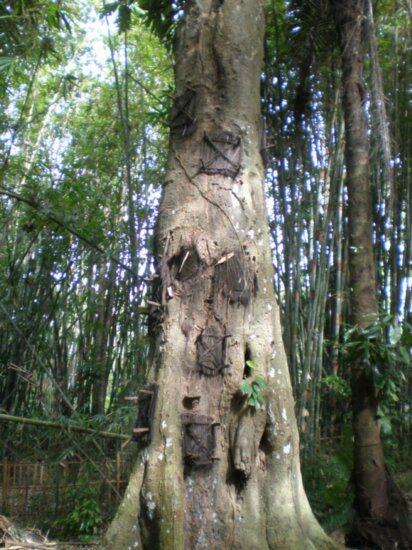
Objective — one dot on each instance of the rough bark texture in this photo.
(381, 519)
(217, 473)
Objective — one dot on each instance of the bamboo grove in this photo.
(85, 97)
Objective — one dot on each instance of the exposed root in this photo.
(382, 535)
(15, 538)
(392, 531)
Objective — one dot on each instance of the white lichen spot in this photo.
(151, 506)
(251, 234)
(265, 289)
(273, 354)
(271, 413)
(168, 441)
(268, 307)
(136, 544)
(164, 424)
(284, 415)
(277, 456)
(287, 448)
(271, 373)
(260, 242)
(160, 456)
(252, 336)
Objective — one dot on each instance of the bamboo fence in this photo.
(30, 489)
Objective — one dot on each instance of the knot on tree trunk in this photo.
(245, 439)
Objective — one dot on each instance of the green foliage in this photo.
(85, 516)
(337, 385)
(380, 348)
(404, 481)
(252, 387)
(326, 478)
(311, 26)
(123, 10)
(159, 15)
(384, 351)
(29, 27)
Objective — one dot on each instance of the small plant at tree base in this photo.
(85, 518)
(252, 388)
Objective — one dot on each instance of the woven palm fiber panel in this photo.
(183, 115)
(211, 344)
(199, 439)
(221, 154)
(233, 279)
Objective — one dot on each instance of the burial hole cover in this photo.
(232, 278)
(199, 439)
(211, 344)
(183, 116)
(221, 154)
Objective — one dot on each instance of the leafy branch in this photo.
(252, 387)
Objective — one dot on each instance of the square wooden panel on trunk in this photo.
(221, 154)
(183, 116)
(199, 439)
(211, 344)
(146, 403)
(233, 278)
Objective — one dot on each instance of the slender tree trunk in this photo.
(381, 519)
(381, 131)
(103, 322)
(238, 484)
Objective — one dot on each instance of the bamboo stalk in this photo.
(5, 485)
(48, 424)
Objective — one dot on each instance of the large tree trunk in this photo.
(232, 480)
(380, 519)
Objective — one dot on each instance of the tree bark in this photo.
(240, 485)
(381, 519)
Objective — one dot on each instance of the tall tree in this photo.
(222, 466)
(381, 518)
